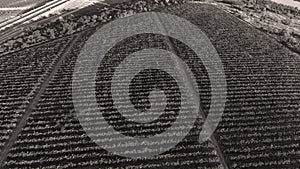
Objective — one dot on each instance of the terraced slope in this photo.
(260, 126)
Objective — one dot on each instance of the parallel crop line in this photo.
(213, 139)
(23, 121)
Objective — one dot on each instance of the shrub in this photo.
(71, 24)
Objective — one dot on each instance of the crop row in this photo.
(260, 125)
(54, 136)
(21, 75)
(259, 129)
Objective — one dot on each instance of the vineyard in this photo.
(259, 128)
(22, 74)
(260, 125)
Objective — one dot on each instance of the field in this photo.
(22, 74)
(8, 14)
(27, 4)
(259, 128)
(260, 124)
(20, 3)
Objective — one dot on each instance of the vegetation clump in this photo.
(75, 23)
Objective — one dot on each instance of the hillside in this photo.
(259, 127)
(280, 21)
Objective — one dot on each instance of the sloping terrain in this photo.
(20, 3)
(260, 125)
(22, 74)
(259, 128)
(7, 7)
